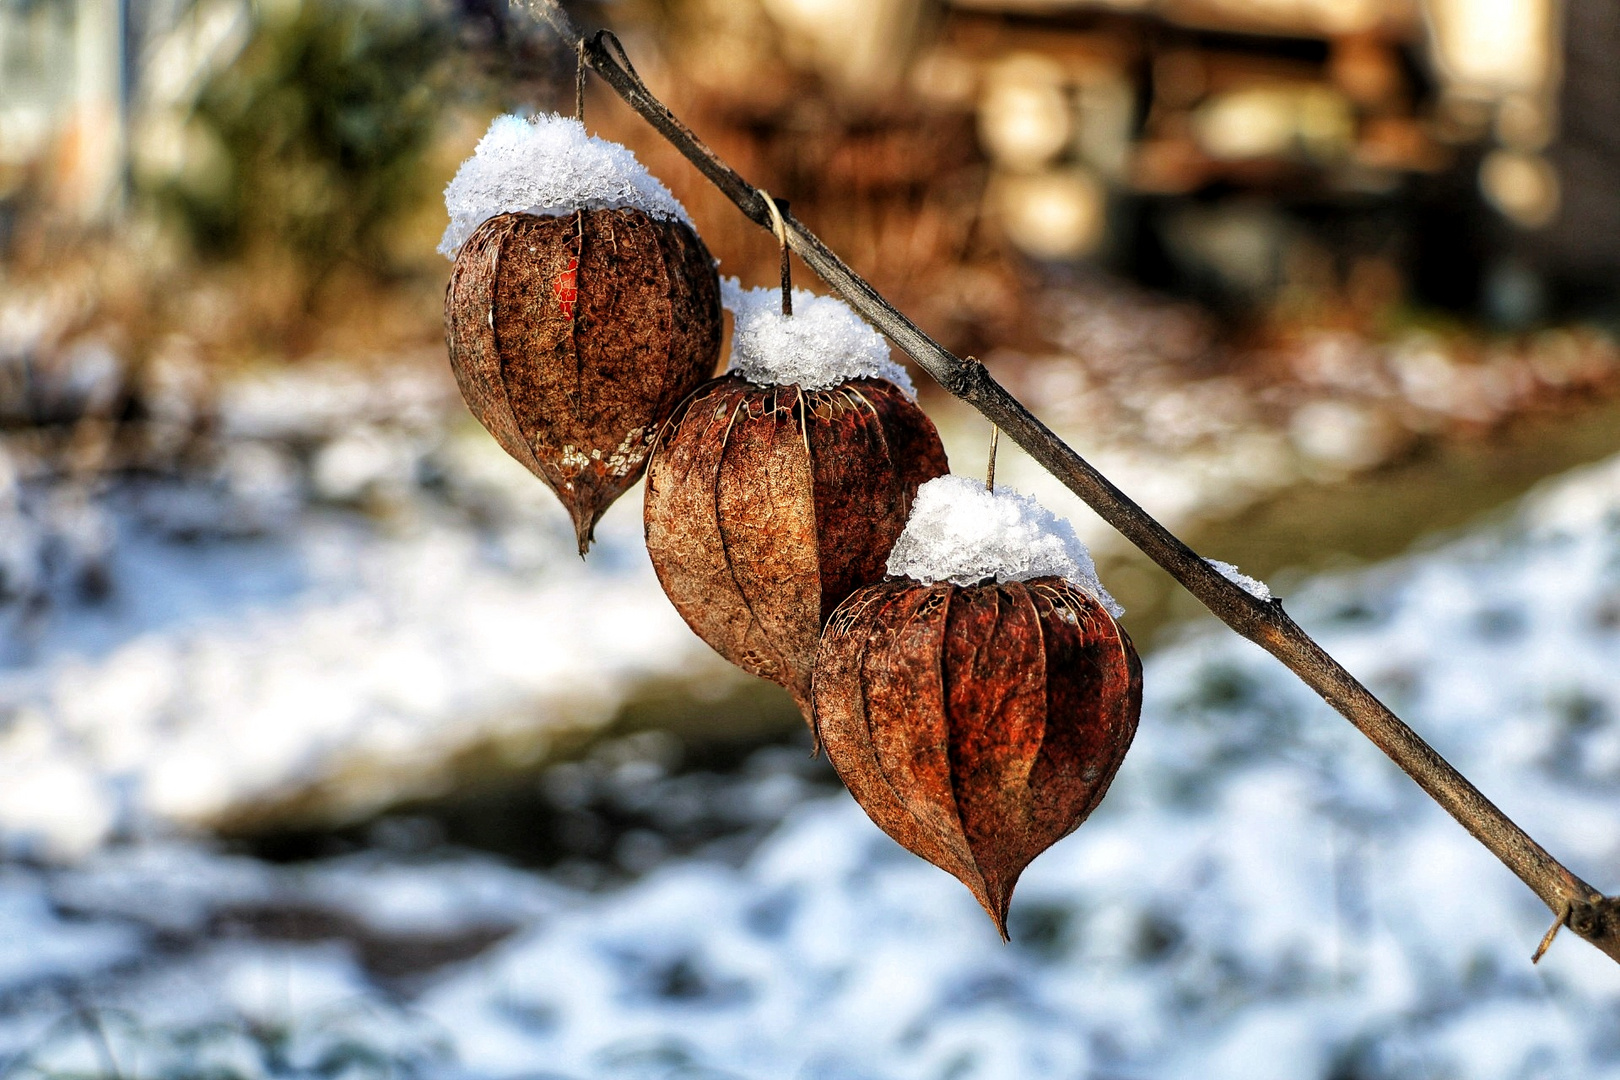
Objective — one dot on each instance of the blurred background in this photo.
(322, 754)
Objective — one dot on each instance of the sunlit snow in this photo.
(547, 165)
(1253, 586)
(822, 344)
(960, 531)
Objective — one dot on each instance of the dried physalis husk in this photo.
(977, 725)
(767, 506)
(573, 337)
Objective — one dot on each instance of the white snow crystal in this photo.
(548, 166)
(820, 345)
(961, 532)
(1253, 586)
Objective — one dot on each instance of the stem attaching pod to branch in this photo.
(779, 227)
(990, 468)
(579, 81)
(1587, 912)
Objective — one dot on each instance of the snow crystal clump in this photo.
(961, 532)
(548, 166)
(819, 346)
(1253, 586)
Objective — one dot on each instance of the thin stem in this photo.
(780, 229)
(990, 472)
(1590, 915)
(579, 81)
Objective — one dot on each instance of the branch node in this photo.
(965, 379)
(623, 59)
(1590, 918)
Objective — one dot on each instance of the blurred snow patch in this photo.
(226, 644)
(358, 687)
(1340, 435)
(1261, 894)
(317, 401)
(37, 943)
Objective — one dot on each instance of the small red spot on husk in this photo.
(767, 506)
(573, 338)
(976, 726)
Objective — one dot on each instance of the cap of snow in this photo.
(961, 532)
(820, 345)
(548, 166)
(1253, 586)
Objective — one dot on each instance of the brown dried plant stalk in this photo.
(1586, 911)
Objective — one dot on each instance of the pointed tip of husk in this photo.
(996, 901)
(998, 916)
(585, 528)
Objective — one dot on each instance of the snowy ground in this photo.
(302, 591)
(1261, 895)
(352, 595)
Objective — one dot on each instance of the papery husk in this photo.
(573, 338)
(767, 506)
(977, 725)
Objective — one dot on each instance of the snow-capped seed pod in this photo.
(582, 307)
(978, 703)
(777, 490)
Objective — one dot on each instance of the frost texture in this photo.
(1253, 586)
(548, 166)
(960, 532)
(820, 345)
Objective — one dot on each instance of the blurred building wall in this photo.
(63, 101)
(89, 88)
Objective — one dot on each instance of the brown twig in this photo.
(779, 227)
(1552, 932)
(990, 469)
(579, 81)
(1590, 915)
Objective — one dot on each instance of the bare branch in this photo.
(1589, 914)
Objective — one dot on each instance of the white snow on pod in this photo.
(822, 344)
(959, 531)
(548, 166)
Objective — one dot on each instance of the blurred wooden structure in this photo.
(1221, 125)
(1237, 107)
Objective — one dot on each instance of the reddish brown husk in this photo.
(766, 506)
(977, 726)
(574, 337)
